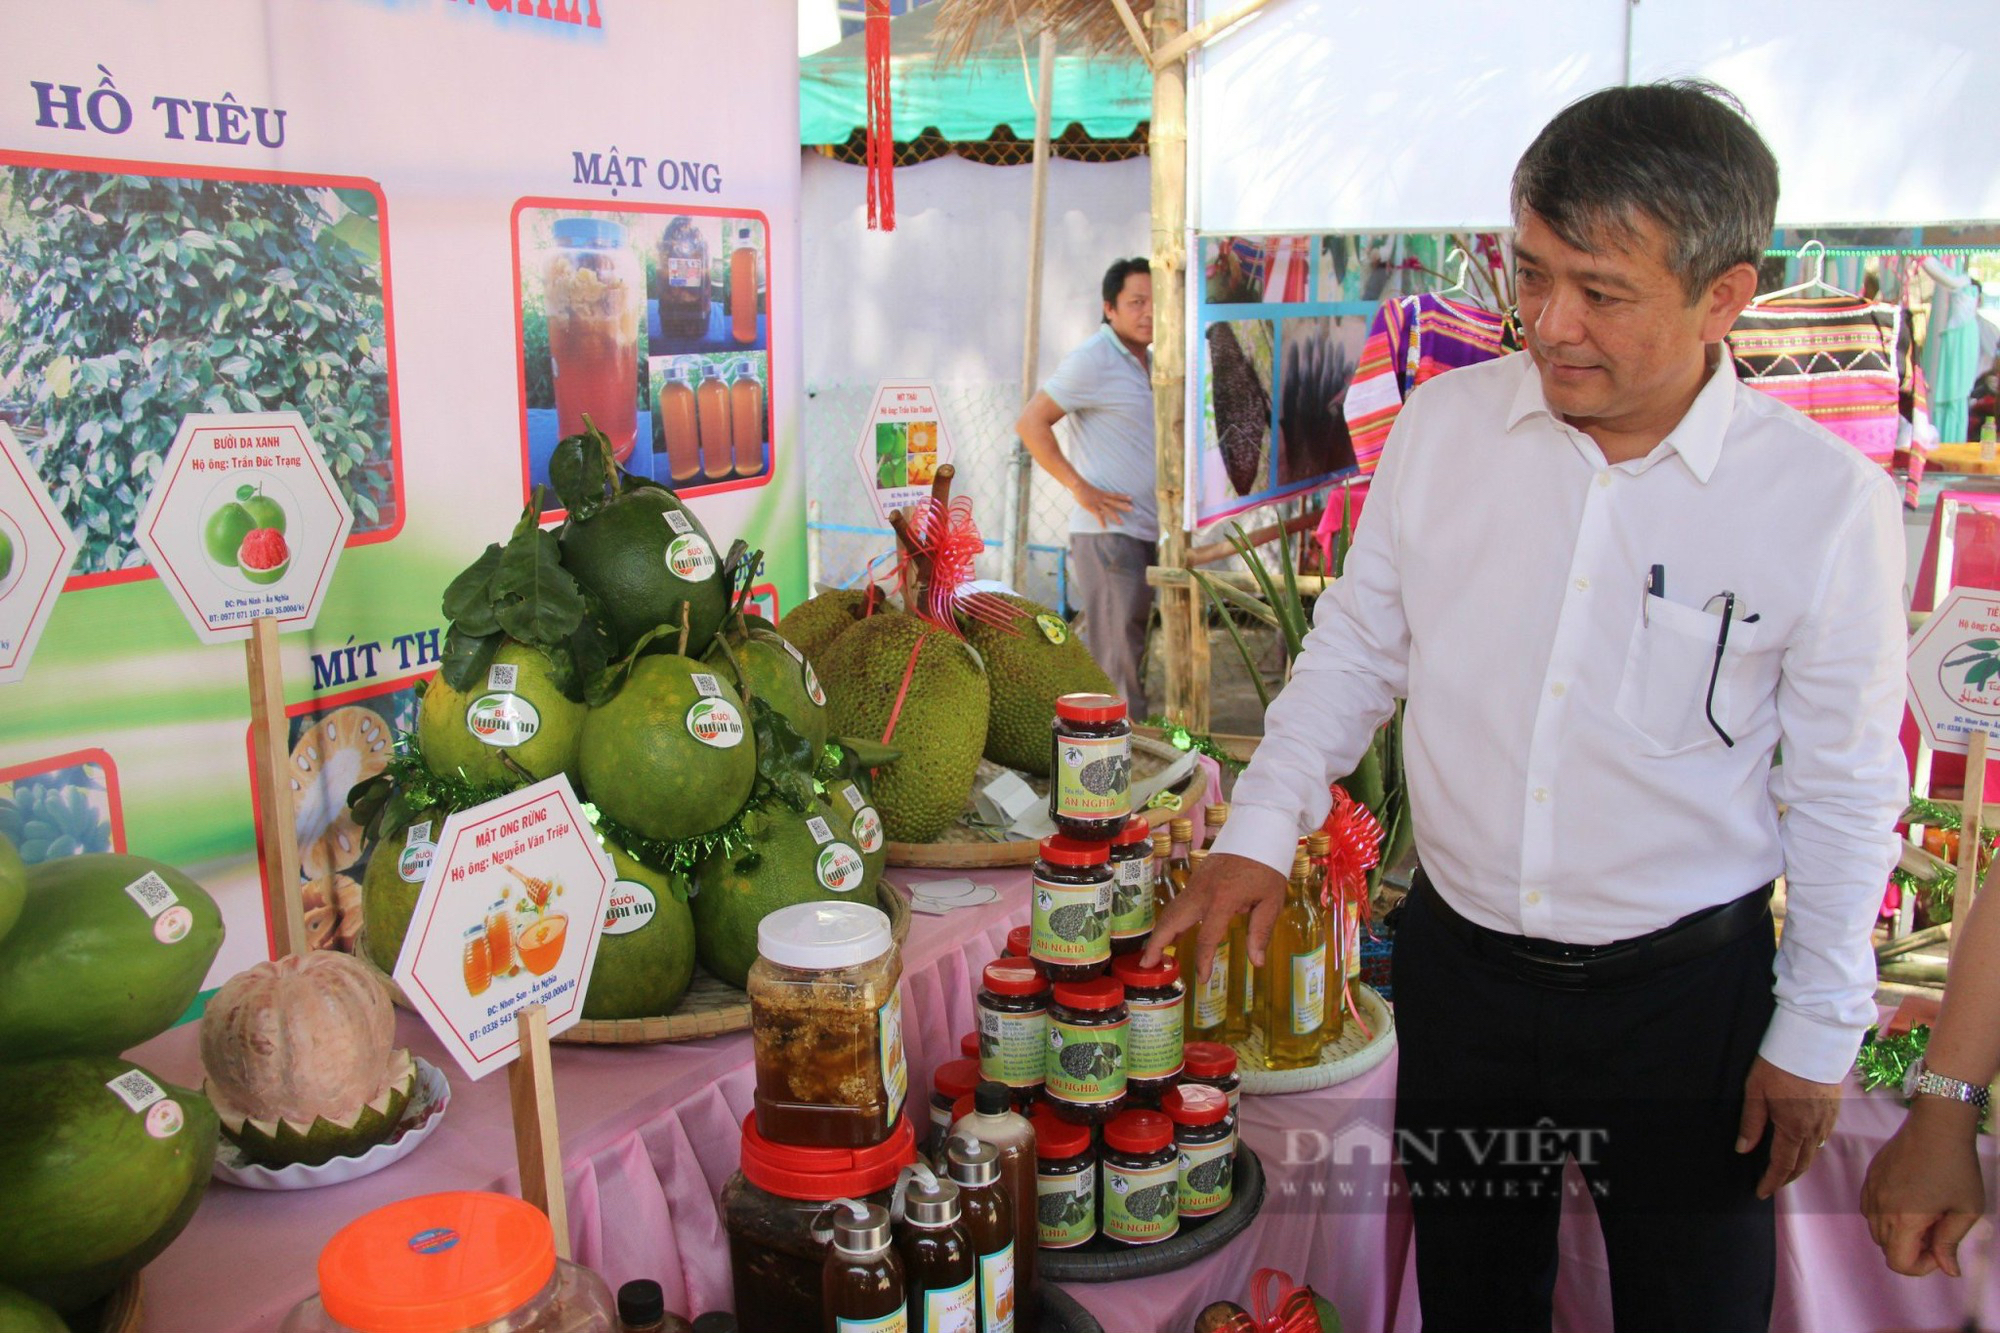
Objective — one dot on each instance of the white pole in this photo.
(1015, 547)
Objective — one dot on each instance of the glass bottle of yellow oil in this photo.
(1294, 989)
(1325, 895)
(1210, 1006)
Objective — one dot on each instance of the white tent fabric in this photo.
(1356, 115)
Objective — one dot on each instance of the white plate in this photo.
(421, 1117)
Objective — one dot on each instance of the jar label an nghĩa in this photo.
(1013, 1048)
(1085, 1064)
(1153, 1040)
(1092, 777)
(1206, 1171)
(1132, 899)
(1066, 1208)
(1142, 1205)
(1071, 923)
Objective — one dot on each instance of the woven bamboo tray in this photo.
(1101, 1260)
(710, 1007)
(963, 847)
(1350, 1057)
(123, 1308)
(1063, 1313)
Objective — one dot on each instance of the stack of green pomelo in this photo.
(614, 650)
(105, 1161)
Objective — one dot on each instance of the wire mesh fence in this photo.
(844, 533)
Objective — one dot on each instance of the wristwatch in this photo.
(1920, 1079)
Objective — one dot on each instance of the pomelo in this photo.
(778, 674)
(390, 884)
(105, 1164)
(22, 1313)
(671, 754)
(517, 710)
(792, 858)
(13, 886)
(264, 557)
(6, 556)
(645, 958)
(108, 952)
(863, 825)
(644, 556)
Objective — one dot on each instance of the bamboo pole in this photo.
(1185, 640)
(1131, 22)
(1214, 551)
(1031, 338)
(269, 744)
(1202, 31)
(1969, 826)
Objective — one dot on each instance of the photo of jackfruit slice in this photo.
(332, 906)
(1101, 777)
(347, 746)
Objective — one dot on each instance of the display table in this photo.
(650, 1136)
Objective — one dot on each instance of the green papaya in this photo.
(109, 951)
(105, 1165)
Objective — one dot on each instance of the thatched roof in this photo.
(1090, 26)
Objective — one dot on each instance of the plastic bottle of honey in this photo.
(746, 420)
(988, 1213)
(938, 1273)
(712, 410)
(994, 1121)
(862, 1285)
(743, 287)
(680, 428)
(1294, 989)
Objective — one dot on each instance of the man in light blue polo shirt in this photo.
(1105, 389)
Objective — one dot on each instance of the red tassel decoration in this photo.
(881, 136)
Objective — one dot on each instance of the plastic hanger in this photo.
(1458, 279)
(1817, 252)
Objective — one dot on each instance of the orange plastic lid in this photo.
(437, 1263)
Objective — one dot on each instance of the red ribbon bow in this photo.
(1282, 1305)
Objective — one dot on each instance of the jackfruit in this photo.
(1207, 1178)
(1091, 1059)
(1030, 661)
(813, 625)
(1151, 1202)
(901, 680)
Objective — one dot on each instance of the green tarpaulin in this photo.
(1108, 97)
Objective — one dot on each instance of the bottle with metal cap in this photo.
(995, 1121)
(861, 1288)
(989, 1226)
(938, 1270)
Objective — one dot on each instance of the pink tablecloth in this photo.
(650, 1136)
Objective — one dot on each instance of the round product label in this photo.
(690, 558)
(502, 720)
(813, 691)
(839, 867)
(172, 926)
(631, 906)
(1052, 628)
(868, 829)
(415, 862)
(164, 1119)
(715, 723)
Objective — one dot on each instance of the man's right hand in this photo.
(1107, 507)
(1224, 886)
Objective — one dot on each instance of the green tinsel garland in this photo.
(1885, 1061)
(1181, 738)
(1937, 893)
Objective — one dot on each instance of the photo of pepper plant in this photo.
(128, 301)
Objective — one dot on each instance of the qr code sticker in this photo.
(821, 833)
(152, 893)
(797, 656)
(419, 834)
(678, 522)
(704, 684)
(853, 795)
(136, 1090)
(501, 676)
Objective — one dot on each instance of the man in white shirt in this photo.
(1105, 388)
(1610, 583)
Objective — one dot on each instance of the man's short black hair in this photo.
(1681, 151)
(1114, 277)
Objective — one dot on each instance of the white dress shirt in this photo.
(1564, 778)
